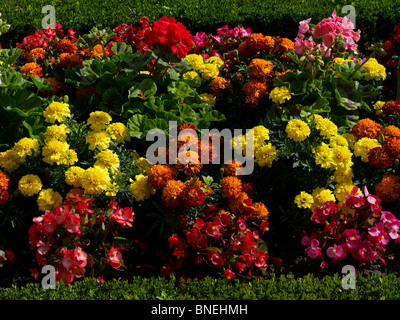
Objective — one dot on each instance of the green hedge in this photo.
(375, 18)
(372, 287)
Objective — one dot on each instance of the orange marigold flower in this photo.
(231, 187)
(99, 50)
(171, 193)
(4, 180)
(379, 158)
(66, 46)
(86, 53)
(192, 196)
(188, 162)
(158, 176)
(256, 42)
(69, 59)
(388, 189)
(391, 107)
(392, 147)
(261, 211)
(254, 90)
(260, 69)
(284, 45)
(37, 55)
(32, 68)
(366, 128)
(390, 131)
(230, 168)
(219, 85)
(58, 87)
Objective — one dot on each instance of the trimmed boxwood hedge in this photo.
(371, 287)
(374, 17)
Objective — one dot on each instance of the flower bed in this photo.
(312, 184)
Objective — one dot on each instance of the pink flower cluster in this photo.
(324, 35)
(62, 236)
(360, 229)
(226, 38)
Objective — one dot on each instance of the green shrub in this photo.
(309, 287)
(375, 18)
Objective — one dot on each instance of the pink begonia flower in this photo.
(378, 235)
(352, 239)
(336, 253)
(305, 241)
(304, 26)
(314, 251)
(366, 252)
(391, 224)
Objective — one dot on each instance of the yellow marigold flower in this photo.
(99, 139)
(375, 71)
(211, 99)
(118, 132)
(338, 140)
(351, 139)
(9, 160)
(278, 95)
(54, 151)
(98, 120)
(325, 159)
(190, 75)
(297, 130)
(143, 164)
(378, 107)
(261, 134)
(140, 188)
(343, 174)
(215, 60)
(209, 71)
(70, 157)
(108, 160)
(56, 111)
(95, 180)
(57, 132)
(304, 200)
(341, 156)
(73, 176)
(363, 146)
(326, 127)
(25, 146)
(320, 196)
(196, 60)
(29, 185)
(265, 155)
(48, 199)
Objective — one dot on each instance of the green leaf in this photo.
(40, 83)
(136, 125)
(147, 87)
